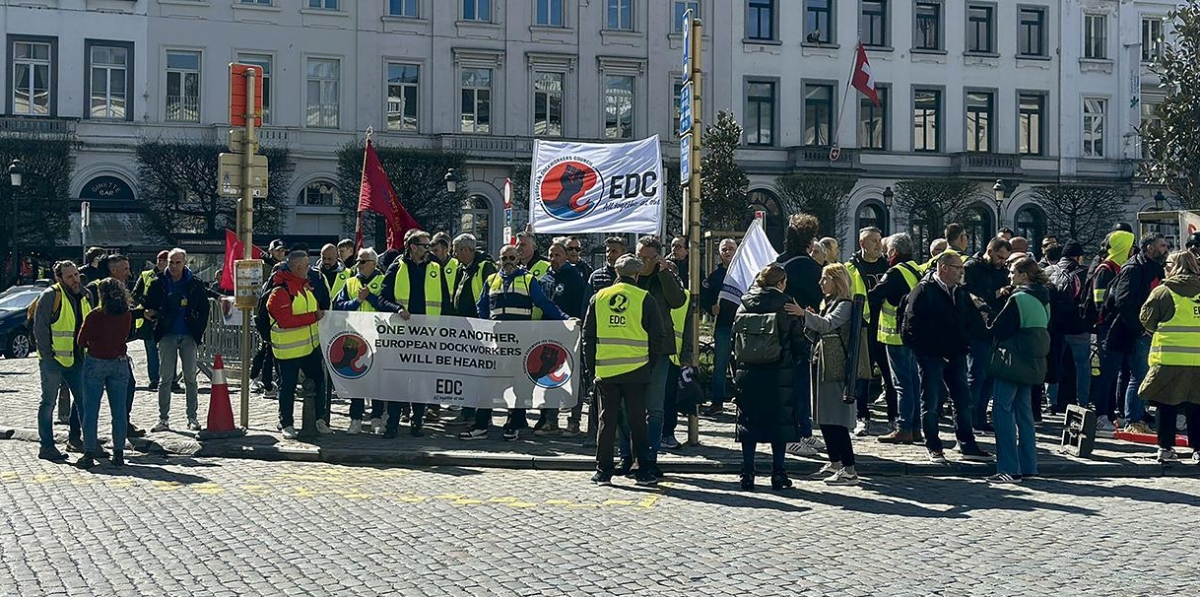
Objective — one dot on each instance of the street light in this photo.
(999, 189)
(16, 174)
(1160, 201)
(888, 197)
(451, 181)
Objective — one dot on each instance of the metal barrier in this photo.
(224, 336)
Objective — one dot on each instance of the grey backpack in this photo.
(756, 338)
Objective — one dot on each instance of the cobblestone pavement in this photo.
(20, 391)
(182, 526)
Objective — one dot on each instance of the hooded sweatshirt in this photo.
(1119, 245)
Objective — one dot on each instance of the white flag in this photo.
(752, 255)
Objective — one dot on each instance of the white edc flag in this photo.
(578, 188)
(752, 255)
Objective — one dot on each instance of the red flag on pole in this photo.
(862, 79)
(375, 194)
(233, 252)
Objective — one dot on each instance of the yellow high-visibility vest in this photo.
(450, 270)
(1177, 340)
(679, 319)
(147, 277)
(339, 282)
(374, 285)
(433, 287)
(62, 329)
(889, 329)
(295, 343)
(858, 287)
(622, 344)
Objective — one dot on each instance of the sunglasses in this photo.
(573, 249)
(422, 245)
(508, 258)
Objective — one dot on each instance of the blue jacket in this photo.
(346, 302)
(549, 309)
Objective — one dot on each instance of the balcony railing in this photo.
(488, 145)
(37, 125)
(989, 164)
(183, 108)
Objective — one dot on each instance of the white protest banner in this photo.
(752, 255)
(578, 188)
(456, 361)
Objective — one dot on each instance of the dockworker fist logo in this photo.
(350, 355)
(619, 303)
(548, 364)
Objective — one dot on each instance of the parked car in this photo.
(16, 339)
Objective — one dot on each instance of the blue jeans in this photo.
(100, 375)
(723, 338)
(1139, 365)
(656, 394)
(53, 374)
(1080, 348)
(151, 359)
(1013, 418)
(903, 368)
(1111, 364)
(937, 374)
(981, 384)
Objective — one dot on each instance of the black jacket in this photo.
(935, 326)
(567, 289)
(803, 279)
(766, 402)
(661, 342)
(1126, 295)
(158, 299)
(710, 295)
(984, 280)
(1068, 293)
(462, 296)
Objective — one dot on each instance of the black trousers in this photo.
(393, 412)
(1167, 424)
(878, 357)
(264, 364)
(614, 396)
(289, 373)
(838, 444)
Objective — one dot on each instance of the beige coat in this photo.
(1169, 384)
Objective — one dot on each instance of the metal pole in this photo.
(246, 230)
(693, 211)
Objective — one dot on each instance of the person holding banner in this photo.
(471, 269)
(415, 283)
(623, 334)
(722, 310)
(364, 292)
(513, 294)
(295, 343)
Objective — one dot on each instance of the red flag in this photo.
(375, 194)
(233, 252)
(862, 79)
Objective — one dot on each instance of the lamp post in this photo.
(1000, 189)
(1160, 201)
(16, 174)
(451, 181)
(888, 197)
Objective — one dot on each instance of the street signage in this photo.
(685, 108)
(687, 46)
(247, 281)
(229, 175)
(237, 94)
(237, 142)
(685, 157)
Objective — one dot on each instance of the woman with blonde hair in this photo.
(1173, 382)
(835, 416)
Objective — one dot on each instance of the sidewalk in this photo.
(717, 452)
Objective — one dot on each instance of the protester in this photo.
(1019, 244)
(146, 332)
(956, 238)
(439, 248)
(472, 268)
(1193, 244)
(364, 292)
(1070, 332)
(345, 251)
(803, 274)
(575, 254)
(619, 319)
(937, 247)
(102, 337)
(564, 285)
(91, 270)
(59, 314)
(723, 311)
(767, 403)
(117, 268)
(835, 416)
(276, 254)
(868, 267)
(603, 277)
(985, 279)
(333, 273)
(1120, 248)
(177, 304)
(295, 342)
(901, 278)
(1022, 343)
(679, 256)
(937, 325)
(1005, 233)
(1173, 381)
(527, 252)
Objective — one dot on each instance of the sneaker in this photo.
(193, 425)
(601, 478)
(842, 477)
(152, 386)
(669, 442)
(1196, 456)
(135, 431)
(74, 445)
(547, 429)
(814, 442)
(163, 425)
(862, 428)
(256, 387)
(376, 426)
(780, 481)
(1104, 427)
(826, 471)
(747, 482)
(1139, 427)
(623, 467)
(323, 427)
(406, 418)
(571, 430)
(355, 427)
(938, 457)
(52, 454)
(118, 460)
(473, 434)
(290, 432)
(645, 479)
(511, 434)
(271, 394)
(801, 449)
(432, 416)
(86, 462)
(1167, 455)
(896, 437)
(1003, 478)
(976, 454)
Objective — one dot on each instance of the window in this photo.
(1093, 127)
(818, 114)
(323, 94)
(108, 85)
(477, 10)
(979, 228)
(1095, 37)
(183, 86)
(1030, 121)
(620, 15)
(403, 89)
(818, 20)
(873, 121)
(549, 13)
(873, 24)
(927, 119)
(319, 193)
(681, 9)
(1150, 118)
(325, 4)
(476, 214)
(1031, 32)
(404, 8)
(548, 105)
(928, 33)
(263, 61)
(979, 120)
(32, 69)
(760, 113)
(260, 2)
(760, 20)
(618, 107)
(1152, 39)
(476, 84)
(980, 30)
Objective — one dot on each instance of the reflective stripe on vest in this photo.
(295, 343)
(679, 319)
(62, 329)
(622, 344)
(1177, 340)
(375, 286)
(889, 330)
(513, 300)
(433, 287)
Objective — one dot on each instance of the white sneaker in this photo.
(193, 425)
(862, 428)
(801, 448)
(827, 470)
(355, 427)
(272, 393)
(1167, 455)
(377, 426)
(814, 443)
(842, 477)
(163, 425)
(474, 434)
(256, 387)
(290, 433)
(1196, 455)
(1104, 427)
(323, 427)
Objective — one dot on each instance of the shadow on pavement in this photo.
(139, 468)
(1140, 494)
(960, 495)
(710, 496)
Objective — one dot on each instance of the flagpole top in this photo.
(370, 131)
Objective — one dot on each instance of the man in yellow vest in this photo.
(899, 280)
(295, 342)
(867, 267)
(146, 332)
(623, 333)
(415, 283)
(527, 253)
(332, 272)
(466, 275)
(364, 292)
(56, 322)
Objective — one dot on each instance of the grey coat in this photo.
(828, 408)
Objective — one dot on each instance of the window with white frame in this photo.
(927, 120)
(980, 109)
(183, 86)
(477, 10)
(1152, 39)
(547, 104)
(476, 88)
(262, 61)
(681, 8)
(322, 92)
(1095, 37)
(403, 8)
(325, 4)
(619, 15)
(32, 68)
(403, 89)
(108, 69)
(1031, 123)
(319, 193)
(548, 13)
(1093, 127)
(618, 107)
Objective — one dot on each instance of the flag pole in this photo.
(362, 175)
(845, 96)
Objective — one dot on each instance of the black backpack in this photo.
(1068, 292)
(1089, 311)
(262, 318)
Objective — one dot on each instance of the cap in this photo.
(163, 254)
(276, 245)
(628, 265)
(1193, 240)
(1072, 249)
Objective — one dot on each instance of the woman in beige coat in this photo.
(1172, 313)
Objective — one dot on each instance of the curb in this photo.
(868, 466)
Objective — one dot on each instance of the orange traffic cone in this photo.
(220, 413)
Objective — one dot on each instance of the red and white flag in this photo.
(862, 79)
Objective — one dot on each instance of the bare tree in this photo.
(822, 195)
(1084, 213)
